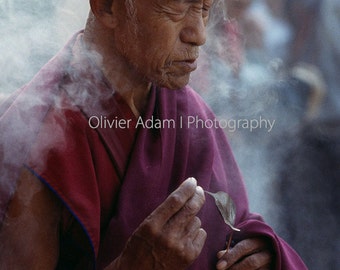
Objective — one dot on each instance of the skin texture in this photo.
(248, 254)
(154, 41)
(165, 37)
(171, 237)
(29, 235)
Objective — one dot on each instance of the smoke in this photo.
(263, 85)
(237, 85)
(284, 170)
(31, 33)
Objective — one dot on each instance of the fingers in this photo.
(176, 201)
(221, 253)
(248, 254)
(199, 241)
(245, 248)
(189, 210)
(171, 237)
(257, 261)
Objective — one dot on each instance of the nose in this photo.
(194, 32)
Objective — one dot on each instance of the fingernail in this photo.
(199, 190)
(222, 264)
(192, 180)
(221, 254)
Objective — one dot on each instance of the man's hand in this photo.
(249, 254)
(171, 237)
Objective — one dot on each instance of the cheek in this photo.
(151, 53)
(156, 59)
(155, 43)
(159, 46)
(160, 60)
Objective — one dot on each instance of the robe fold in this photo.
(110, 178)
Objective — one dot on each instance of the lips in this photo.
(187, 65)
(192, 64)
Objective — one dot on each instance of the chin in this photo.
(175, 83)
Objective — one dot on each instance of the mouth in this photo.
(177, 72)
(192, 63)
(187, 65)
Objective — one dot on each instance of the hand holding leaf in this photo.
(227, 209)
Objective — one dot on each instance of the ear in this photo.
(103, 11)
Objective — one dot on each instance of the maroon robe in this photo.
(111, 179)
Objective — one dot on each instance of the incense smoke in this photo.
(259, 86)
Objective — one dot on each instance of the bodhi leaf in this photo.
(226, 207)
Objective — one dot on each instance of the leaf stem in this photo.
(229, 240)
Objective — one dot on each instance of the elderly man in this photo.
(85, 183)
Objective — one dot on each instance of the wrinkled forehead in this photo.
(130, 3)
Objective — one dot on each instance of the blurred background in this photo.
(264, 59)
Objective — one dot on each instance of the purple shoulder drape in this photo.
(163, 158)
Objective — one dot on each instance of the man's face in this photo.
(160, 38)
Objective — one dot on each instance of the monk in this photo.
(89, 180)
